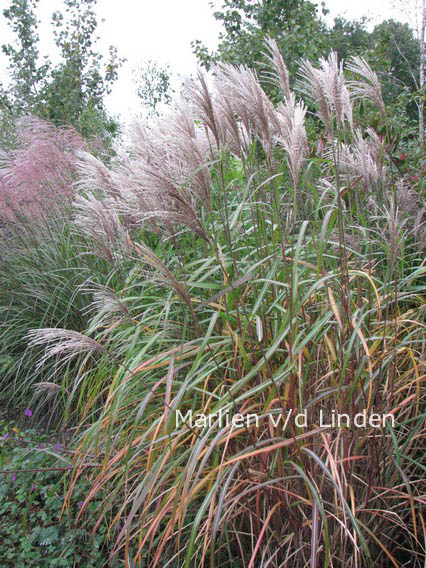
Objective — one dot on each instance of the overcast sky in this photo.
(162, 30)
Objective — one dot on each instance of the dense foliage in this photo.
(71, 92)
(246, 25)
(35, 530)
(391, 48)
(256, 251)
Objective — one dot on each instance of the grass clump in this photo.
(254, 271)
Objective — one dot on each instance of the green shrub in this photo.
(35, 530)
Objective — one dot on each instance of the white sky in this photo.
(162, 30)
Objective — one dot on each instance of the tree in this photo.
(349, 37)
(416, 12)
(79, 82)
(153, 85)
(397, 52)
(391, 48)
(26, 73)
(295, 24)
(73, 91)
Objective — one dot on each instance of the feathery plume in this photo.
(38, 175)
(106, 305)
(46, 387)
(249, 103)
(409, 205)
(203, 102)
(326, 85)
(98, 219)
(239, 137)
(312, 83)
(65, 343)
(158, 182)
(369, 85)
(278, 70)
(364, 159)
(169, 173)
(94, 174)
(420, 228)
(406, 198)
(294, 138)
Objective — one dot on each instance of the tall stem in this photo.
(422, 77)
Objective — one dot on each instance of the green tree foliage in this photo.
(392, 48)
(71, 92)
(396, 52)
(295, 24)
(79, 83)
(153, 85)
(349, 37)
(26, 73)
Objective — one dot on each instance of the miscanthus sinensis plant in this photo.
(38, 173)
(275, 264)
(44, 262)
